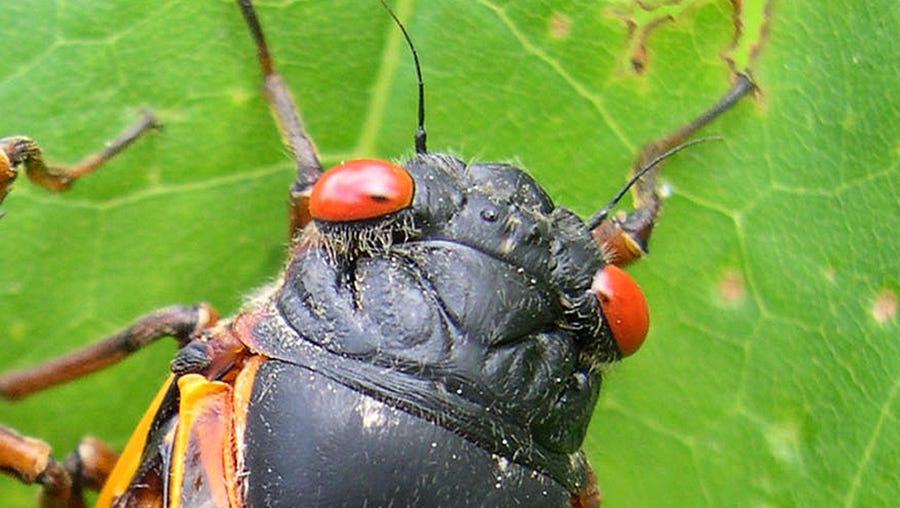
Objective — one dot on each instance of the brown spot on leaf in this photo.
(885, 307)
(751, 26)
(639, 30)
(731, 287)
(559, 26)
(639, 58)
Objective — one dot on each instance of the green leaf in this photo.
(772, 373)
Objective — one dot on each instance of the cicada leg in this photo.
(287, 116)
(179, 321)
(30, 460)
(18, 151)
(623, 237)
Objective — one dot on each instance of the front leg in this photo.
(179, 321)
(623, 237)
(287, 116)
(22, 151)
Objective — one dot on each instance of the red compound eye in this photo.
(360, 189)
(624, 306)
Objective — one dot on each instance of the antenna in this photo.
(420, 128)
(601, 214)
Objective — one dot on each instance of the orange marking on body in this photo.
(202, 441)
(121, 475)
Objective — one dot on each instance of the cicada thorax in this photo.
(472, 316)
